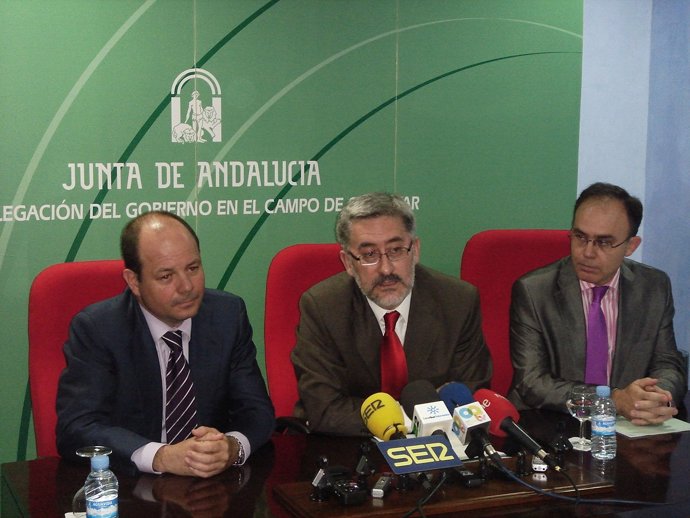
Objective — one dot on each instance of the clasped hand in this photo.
(643, 402)
(205, 454)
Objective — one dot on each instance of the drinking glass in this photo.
(79, 500)
(580, 401)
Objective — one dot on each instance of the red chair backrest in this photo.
(292, 271)
(493, 260)
(57, 294)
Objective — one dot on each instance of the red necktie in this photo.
(393, 362)
(597, 341)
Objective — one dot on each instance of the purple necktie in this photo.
(597, 340)
(180, 406)
(393, 361)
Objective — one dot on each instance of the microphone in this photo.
(455, 394)
(504, 417)
(383, 417)
(470, 423)
(430, 416)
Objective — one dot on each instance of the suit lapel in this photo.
(568, 300)
(367, 331)
(205, 361)
(148, 369)
(422, 327)
(627, 331)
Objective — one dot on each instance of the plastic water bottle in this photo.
(603, 425)
(100, 489)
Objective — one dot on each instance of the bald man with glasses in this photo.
(384, 322)
(598, 317)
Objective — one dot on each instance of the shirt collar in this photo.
(159, 328)
(612, 284)
(403, 309)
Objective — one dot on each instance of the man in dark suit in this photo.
(550, 311)
(113, 390)
(337, 357)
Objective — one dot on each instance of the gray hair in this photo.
(372, 205)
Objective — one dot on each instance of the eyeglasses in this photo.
(582, 240)
(373, 257)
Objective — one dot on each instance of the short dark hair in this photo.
(372, 205)
(129, 238)
(632, 205)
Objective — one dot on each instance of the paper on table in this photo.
(673, 425)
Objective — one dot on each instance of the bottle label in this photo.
(603, 425)
(103, 507)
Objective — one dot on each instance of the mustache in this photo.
(386, 278)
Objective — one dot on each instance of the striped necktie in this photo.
(180, 406)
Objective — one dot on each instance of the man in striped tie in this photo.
(165, 373)
(598, 317)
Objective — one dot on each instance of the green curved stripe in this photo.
(86, 223)
(24, 424)
(58, 117)
(283, 192)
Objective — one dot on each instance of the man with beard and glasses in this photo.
(340, 357)
(165, 373)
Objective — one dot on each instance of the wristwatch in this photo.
(240, 453)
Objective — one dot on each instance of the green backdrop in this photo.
(470, 108)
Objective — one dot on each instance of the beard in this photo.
(388, 299)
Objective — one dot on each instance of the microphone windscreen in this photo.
(416, 393)
(455, 394)
(498, 408)
(383, 417)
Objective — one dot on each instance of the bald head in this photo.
(154, 221)
(169, 281)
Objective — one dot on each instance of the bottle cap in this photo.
(603, 391)
(99, 462)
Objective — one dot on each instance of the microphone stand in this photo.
(365, 467)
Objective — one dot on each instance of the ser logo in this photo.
(369, 410)
(202, 121)
(419, 454)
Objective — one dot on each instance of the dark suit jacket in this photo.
(110, 392)
(548, 337)
(336, 358)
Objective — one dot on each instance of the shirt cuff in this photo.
(143, 457)
(244, 442)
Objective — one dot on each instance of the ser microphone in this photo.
(429, 414)
(430, 449)
(383, 417)
(504, 418)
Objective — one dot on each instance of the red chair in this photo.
(493, 260)
(292, 271)
(57, 294)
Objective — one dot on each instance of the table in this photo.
(655, 469)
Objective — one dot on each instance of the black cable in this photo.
(422, 501)
(572, 483)
(577, 499)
